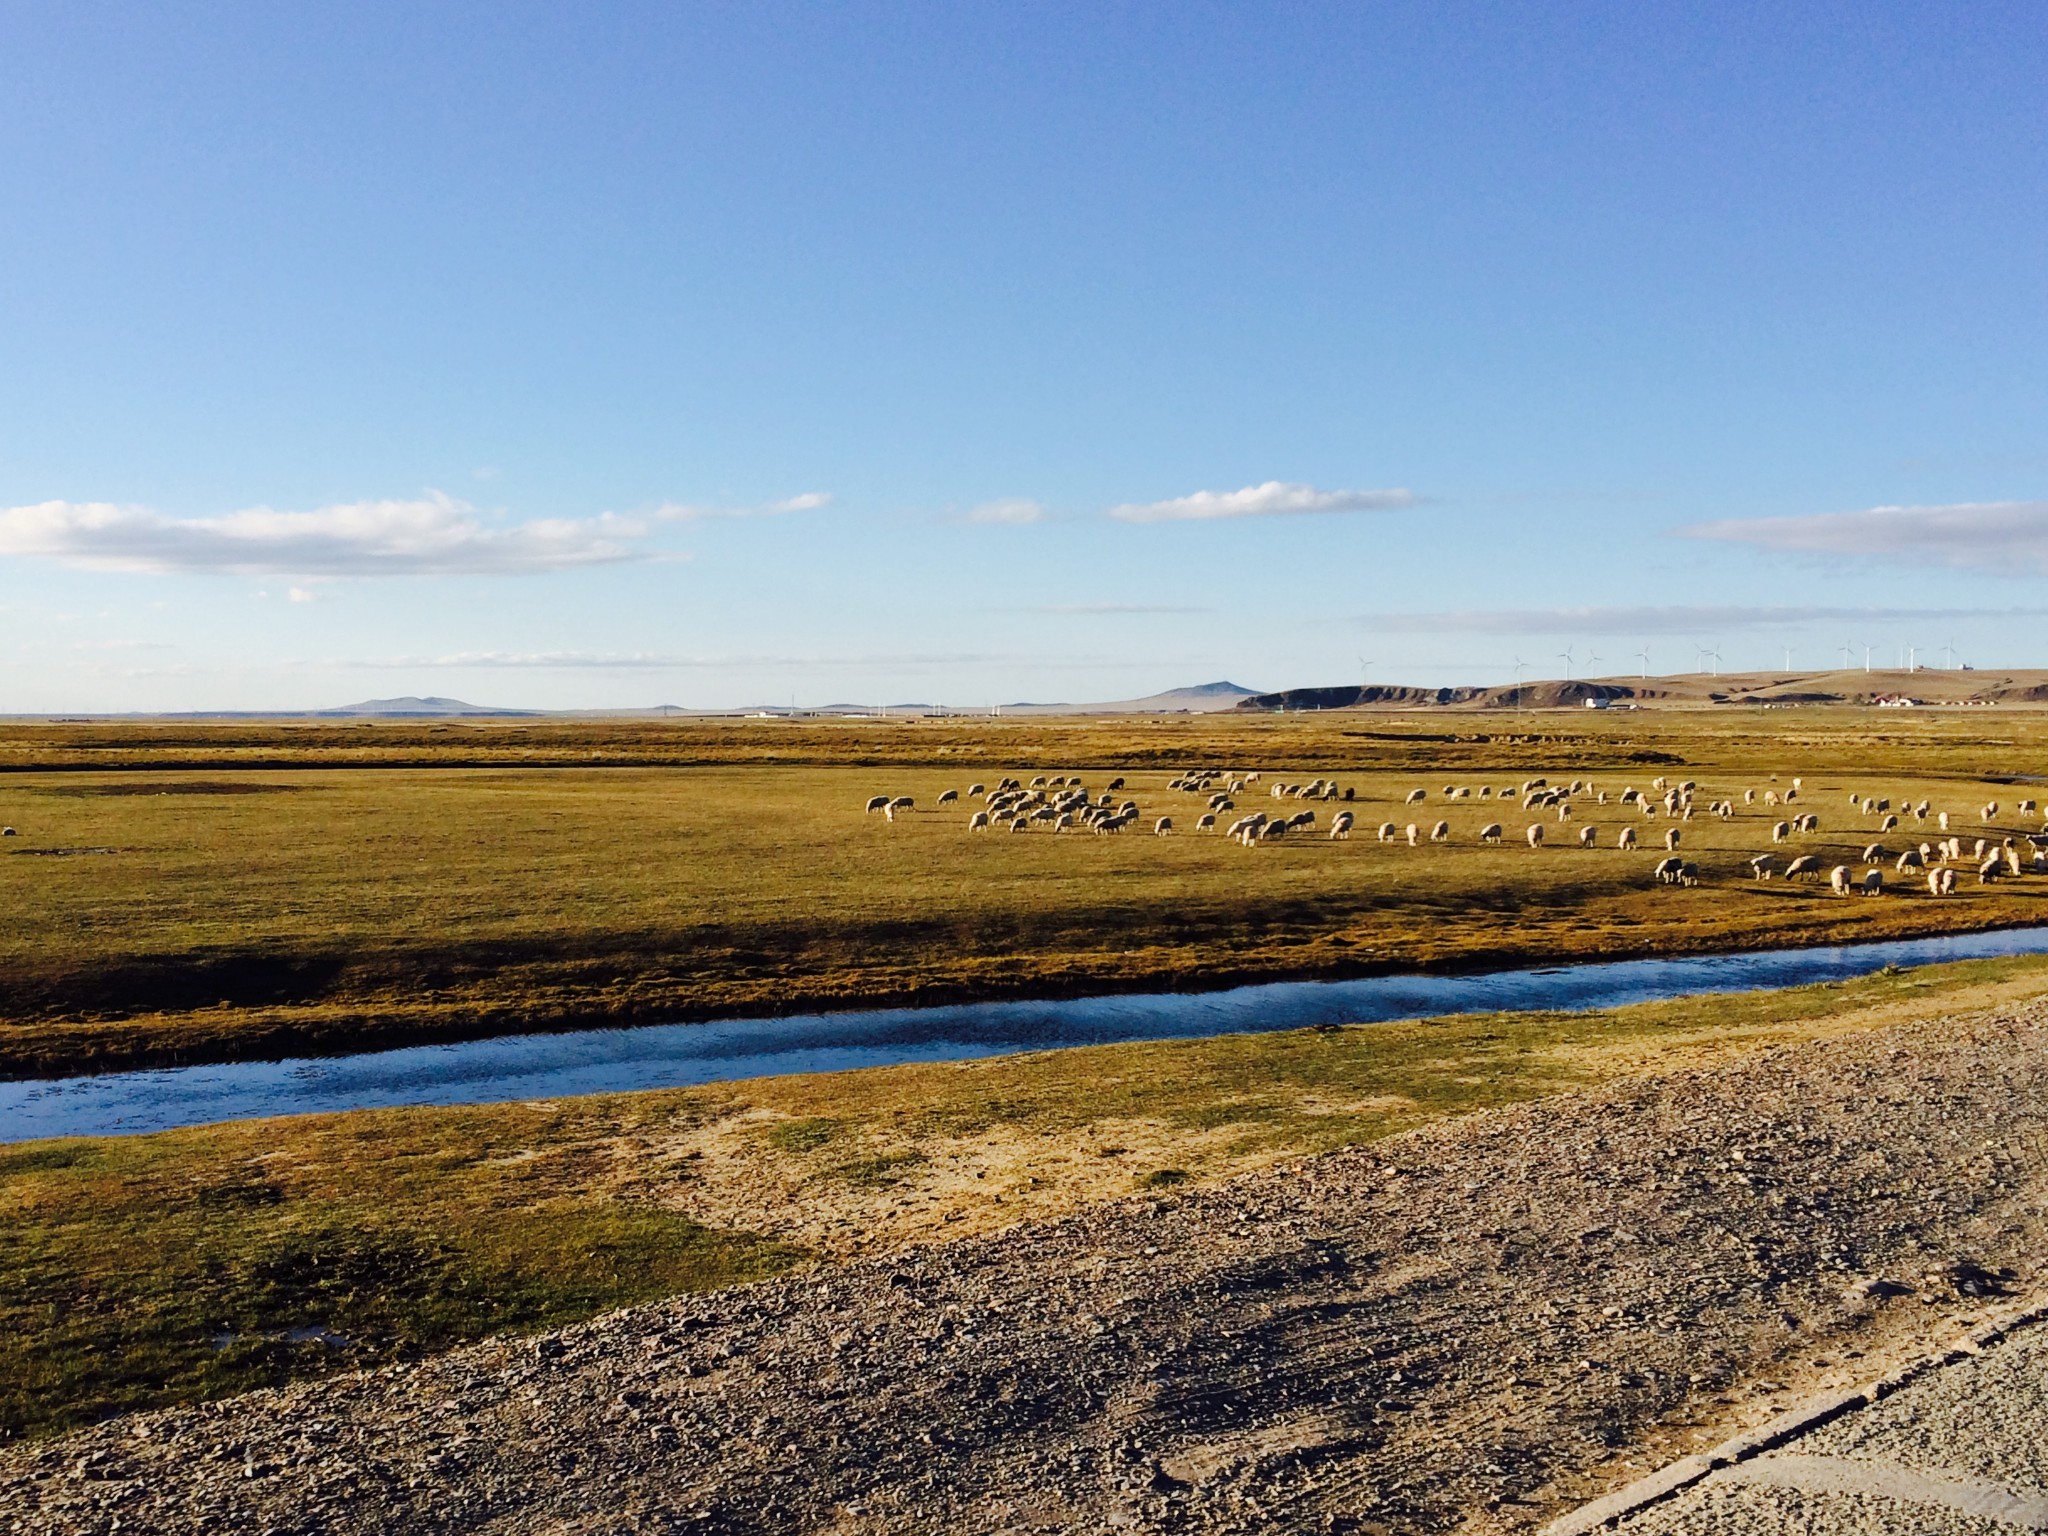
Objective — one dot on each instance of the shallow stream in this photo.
(676, 1055)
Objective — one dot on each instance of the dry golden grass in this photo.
(160, 913)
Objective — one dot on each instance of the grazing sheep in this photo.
(1273, 831)
(1063, 822)
(1416, 797)
(1341, 826)
(1688, 875)
(1207, 823)
(1912, 858)
(1414, 832)
(976, 791)
(1990, 869)
(978, 822)
(902, 803)
(1890, 823)
(1301, 819)
(1990, 812)
(1920, 811)
(1114, 784)
(1666, 870)
(1536, 834)
(1770, 797)
(1873, 882)
(2012, 861)
(2025, 808)
(1948, 881)
(1038, 782)
(1388, 831)
(1978, 851)
(1564, 813)
(1781, 831)
(1935, 882)
(1942, 820)
(949, 796)
(1162, 826)
(1021, 824)
(1671, 838)
(1440, 833)
(1627, 840)
(1588, 836)
(1490, 833)
(1219, 801)
(1805, 864)
(1760, 867)
(1874, 852)
(1838, 879)
(878, 803)
(1486, 791)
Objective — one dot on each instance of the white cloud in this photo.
(303, 595)
(1015, 509)
(1980, 535)
(434, 535)
(1672, 620)
(1276, 498)
(688, 512)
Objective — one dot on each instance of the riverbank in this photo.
(1470, 1324)
(328, 1243)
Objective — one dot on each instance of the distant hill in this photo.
(1854, 686)
(412, 704)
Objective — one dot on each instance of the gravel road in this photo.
(1963, 1452)
(1474, 1326)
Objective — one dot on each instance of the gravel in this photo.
(1470, 1325)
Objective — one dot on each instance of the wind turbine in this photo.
(1845, 656)
(1590, 659)
(1912, 658)
(1788, 658)
(1364, 674)
(1949, 650)
(1866, 657)
(1644, 657)
(1715, 656)
(1521, 666)
(1565, 656)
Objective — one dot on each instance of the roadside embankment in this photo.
(1479, 1322)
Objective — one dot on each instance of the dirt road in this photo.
(1475, 1327)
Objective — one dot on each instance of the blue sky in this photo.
(577, 356)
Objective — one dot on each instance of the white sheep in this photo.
(1781, 832)
(1873, 882)
(1627, 840)
(1162, 826)
(1671, 838)
(1207, 822)
(1838, 879)
(1805, 864)
(1340, 827)
(1490, 833)
(1388, 831)
(947, 797)
(978, 822)
(1536, 834)
(1588, 836)
(878, 803)
(1416, 797)
(1440, 833)
(1760, 867)
(1414, 832)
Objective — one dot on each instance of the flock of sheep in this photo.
(1061, 802)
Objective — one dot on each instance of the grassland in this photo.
(195, 892)
(194, 1263)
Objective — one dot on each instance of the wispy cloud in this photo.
(658, 662)
(1977, 535)
(434, 535)
(1276, 498)
(1014, 510)
(1669, 620)
(678, 511)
